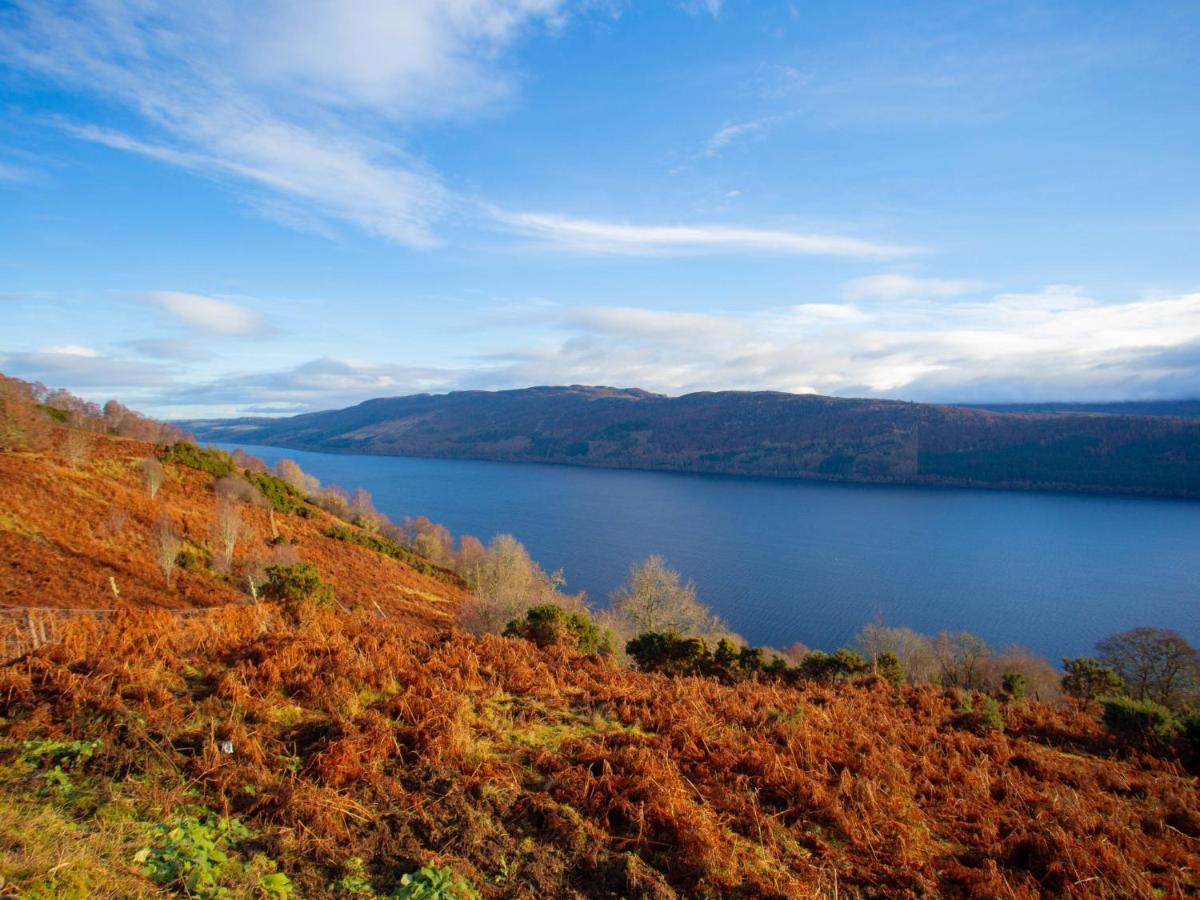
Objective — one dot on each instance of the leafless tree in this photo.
(428, 539)
(652, 598)
(962, 658)
(152, 475)
(914, 650)
(1155, 664)
(227, 527)
(291, 472)
(470, 552)
(505, 583)
(76, 447)
(165, 545)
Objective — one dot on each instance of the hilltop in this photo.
(757, 433)
(337, 734)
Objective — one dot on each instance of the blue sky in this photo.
(223, 208)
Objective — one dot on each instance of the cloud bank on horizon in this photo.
(244, 208)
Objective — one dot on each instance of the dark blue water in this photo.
(786, 561)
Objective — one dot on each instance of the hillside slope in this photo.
(356, 743)
(65, 531)
(757, 433)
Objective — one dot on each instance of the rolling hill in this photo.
(757, 433)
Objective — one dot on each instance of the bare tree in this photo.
(165, 545)
(1155, 664)
(428, 539)
(363, 512)
(962, 658)
(227, 527)
(505, 583)
(914, 650)
(152, 475)
(76, 447)
(470, 552)
(652, 598)
(291, 472)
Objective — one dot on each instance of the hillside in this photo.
(66, 530)
(320, 748)
(757, 433)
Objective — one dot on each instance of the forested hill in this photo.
(757, 433)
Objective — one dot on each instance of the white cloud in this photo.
(72, 350)
(892, 286)
(208, 314)
(736, 131)
(286, 98)
(1053, 344)
(615, 237)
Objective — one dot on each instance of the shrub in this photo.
(668, 652)
(981, 718)
(1141, 723)
(282, 496)
(888, 665)
(296, 586)
(550, 624)
(1012, 686)
(206, 459)
(838, 666)
(1089, 679)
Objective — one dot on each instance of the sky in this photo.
(236, 208)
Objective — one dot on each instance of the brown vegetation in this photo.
(542, 773)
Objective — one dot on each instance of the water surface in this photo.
(786, 561)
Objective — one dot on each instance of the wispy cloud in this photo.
(285, 98)
(892, 286)
(208, 314)
(736, 131)
(622, 238)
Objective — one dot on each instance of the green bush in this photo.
(669, 652)
(1141, 723)
(295, 587)
(1012, 686)
(1089, 679)
(206, 459)
(888, 665)
(390, 548)
(282, 496)
(550, 624)
(981, 718)
(838, 666)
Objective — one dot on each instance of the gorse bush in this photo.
(668, 652)
(1141, 723)
(206, 459)
(1089, 679)
(296, 587)
(982, 716)
(840, 665)
(549, 624)
(1012, 686)
(279, 494)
